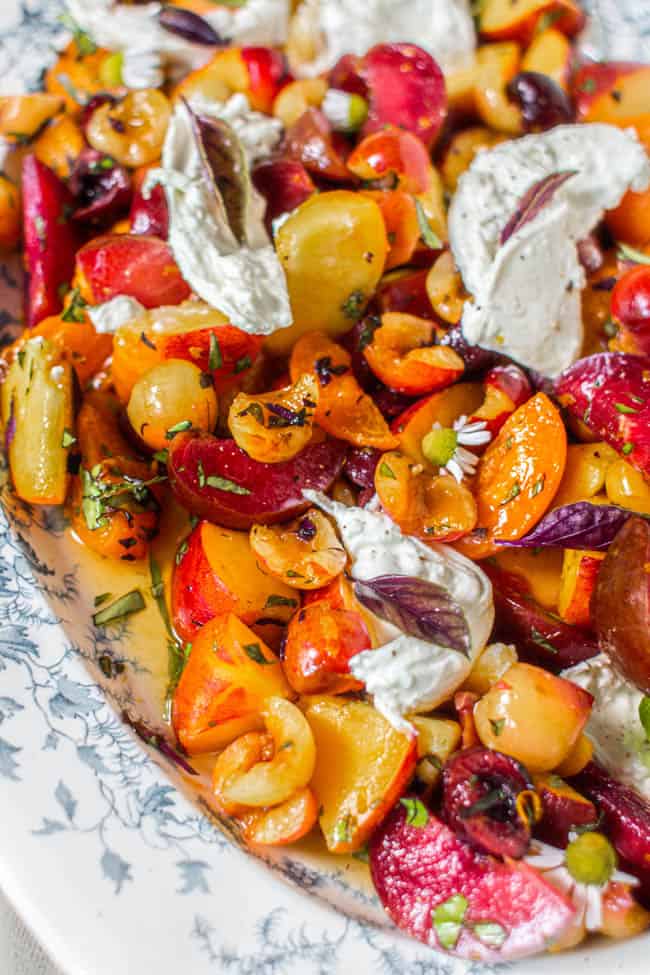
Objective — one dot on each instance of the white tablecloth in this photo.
(20, 954)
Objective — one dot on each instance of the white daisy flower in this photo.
(446, 446)
(583, 872)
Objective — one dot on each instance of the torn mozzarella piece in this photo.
(113, 314)
(235, 271)
(408, 674)
(444, 28)
(614, 726)
(525, 291)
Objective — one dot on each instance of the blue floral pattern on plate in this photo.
(104, 849)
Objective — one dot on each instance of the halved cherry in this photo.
(489, 800)
(402, 355)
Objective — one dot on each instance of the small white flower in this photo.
(446, 446)
(587, 897)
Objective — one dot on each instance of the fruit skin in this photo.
(130, 264)
(273, 491)
(517, 476)
(50, 239)
(223, 687)
(620, 605)
(506, 389)
(540, 637)
(442, 407)
(306, 553)
(417, 868)
(617, 95)
(532, 715)
(312, 142)
(626, 819)
(402, 355)
(630, 221)
(149, 215)
(362, 766)
(520, 18)
(284, 184)
(216, 572)
(623, 916)
(579, 576)
(610, 393)
(631, 307)
(496, 65)
(472, 775)
(405, 292)
(283, 824)
(405, 87)
(562, 809)
(333, 250)
(320, 642)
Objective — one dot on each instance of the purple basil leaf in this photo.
(10, 429)
(581, 525)
(225, 167)
(418, 607)
(190, 26)
(306, 530)
(533, 202)
(605, 284)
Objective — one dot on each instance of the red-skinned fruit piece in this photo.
(563, 809)
(127, 264)
(442, 892)
(50, 239)
(217, 480)
(506, 388)
(406, 293)
(540, 637)
(405, 87)
(267, 73)
(284, 184)
(620, 603)
(402, 355)
(626, 820)
(393, 154)
(346, 75)
(101, 188)
(610, 393)
(488, 800)
(631, 307)
(149, 215)
(592, 80)
(312, 142)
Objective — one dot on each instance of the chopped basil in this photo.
(353, 305)
(83, 42)
(181, 552)
(200, 474)
(341, 831)
(223, 484)
(275, 600)
(541, 640)
(102, 598)
(254, 651)
(254, 410)
(244, 363)
(132, 602)
(99, 498)
(644, 715)
(627, 448)
(538, 486)
(448, 919)
(428, 235)
(386, 471)
(178, 428)
(490, 933)
(162, 456)
(624, 408)
(75, 310)
(515, 491)
(215, 359)
(417, 813)
(362, 854)
(68, 439)
(497, 726)
(625, 252)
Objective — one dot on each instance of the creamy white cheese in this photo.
(259, 134)
(256, 22)
(142, 68)
(113, 314)
(526, 292)
(136, 28)
(445, 28)
(245, 280)
(614, 727)
(408, 674)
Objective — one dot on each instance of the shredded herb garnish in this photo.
(131, 602)
(223, 484)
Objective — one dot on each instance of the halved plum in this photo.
(129, 264)
(540, 636)
(447, 895)
(406, 87)
(217, 480)
(610, 393)
(626, 817)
